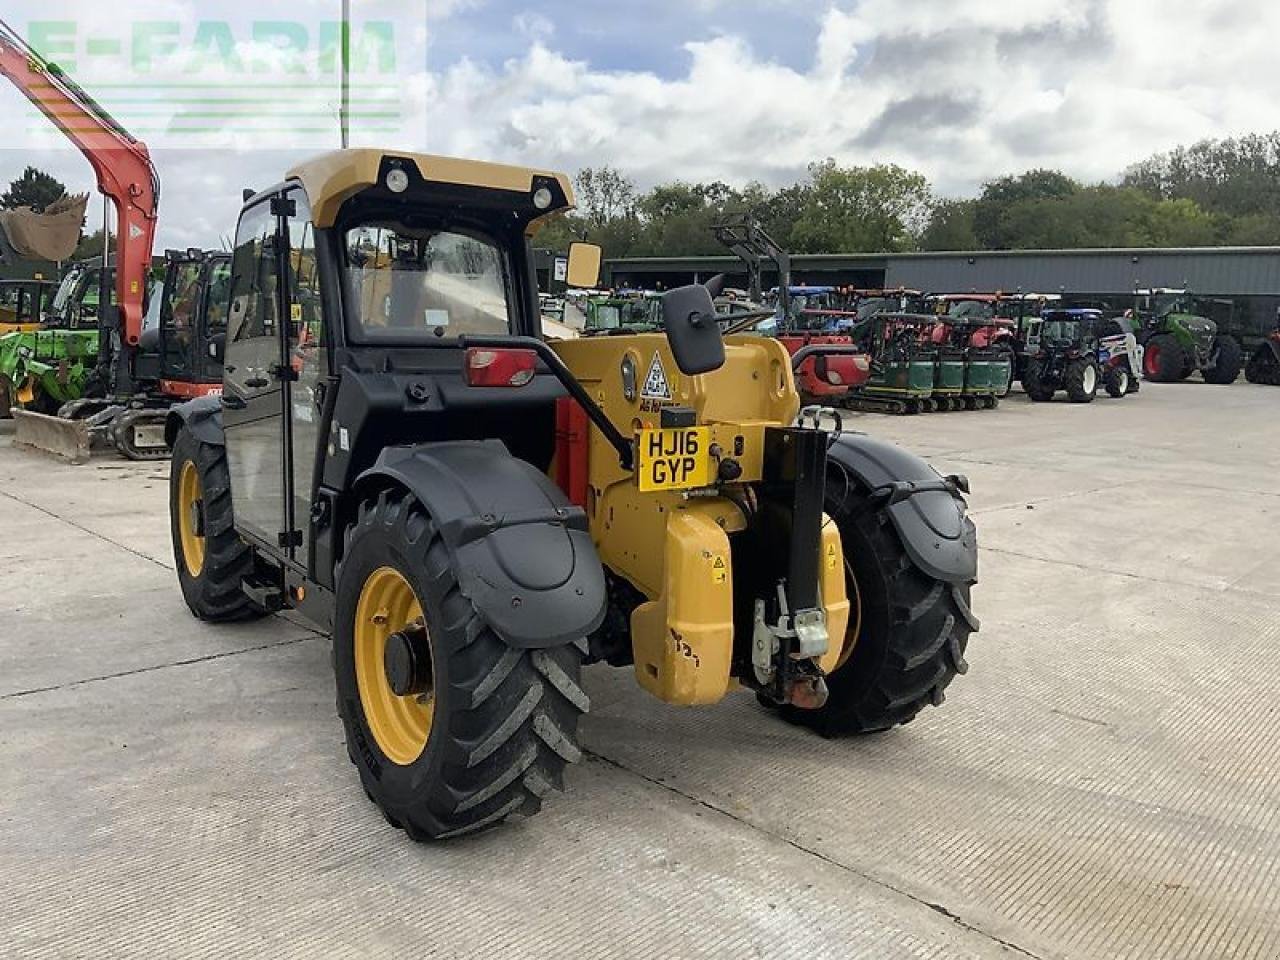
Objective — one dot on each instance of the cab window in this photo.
(413, 284)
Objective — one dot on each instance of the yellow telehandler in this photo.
(474, 513)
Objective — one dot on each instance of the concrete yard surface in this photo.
(1104, 783)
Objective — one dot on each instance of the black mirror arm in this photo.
(626, 455)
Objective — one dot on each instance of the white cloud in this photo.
(962, 90)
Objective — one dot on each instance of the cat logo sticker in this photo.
(656, 386)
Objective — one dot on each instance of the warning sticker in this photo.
(832, 559)
(719, 571)
(656, 386)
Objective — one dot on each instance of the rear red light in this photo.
(500, 367)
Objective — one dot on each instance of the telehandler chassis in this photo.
(473, 513)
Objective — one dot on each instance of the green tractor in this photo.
(1178, 340)
(47, 363)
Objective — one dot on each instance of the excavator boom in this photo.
(121, 162)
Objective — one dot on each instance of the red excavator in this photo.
(120, 387)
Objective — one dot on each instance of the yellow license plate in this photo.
(674, 459)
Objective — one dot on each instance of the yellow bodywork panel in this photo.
(835, 600)
(332, 178)
(682, 639)
(753, 390)
(673, 547)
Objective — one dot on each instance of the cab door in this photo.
(253, 385)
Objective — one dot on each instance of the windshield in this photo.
(971, 308)
(614, 315)
(425, 283)
(875, 305)
(1060, 331)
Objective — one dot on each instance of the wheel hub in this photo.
(407, 661)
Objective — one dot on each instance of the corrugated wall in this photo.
(1226, 272)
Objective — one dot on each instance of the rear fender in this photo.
(928, 511)
(202, 416)
(522, 552)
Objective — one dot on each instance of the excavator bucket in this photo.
(52, 235)
(68, 439)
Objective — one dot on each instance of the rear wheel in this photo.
(907, 634)
(211, 560)
(1035, 388)
(451, 730)
(1262, 367)
(1116, 380)
(1228, 357)
(1164, 359)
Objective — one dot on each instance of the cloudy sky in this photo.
(739, 90)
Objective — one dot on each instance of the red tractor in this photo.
(994, 325)
(815, 317)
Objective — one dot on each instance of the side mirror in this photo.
(584, 265)
(218, 346)
(689, 315)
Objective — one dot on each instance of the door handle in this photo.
(233, 403)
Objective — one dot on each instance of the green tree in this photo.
(861, 209)
(1237, 176)
(999, 196)
(35, 189)
(950, 227)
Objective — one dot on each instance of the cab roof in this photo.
(332, 178)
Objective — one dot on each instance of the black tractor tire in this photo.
(1166, 360)
(911, 630)
(1116, 380)
(213, 592)
(1038, 391)
(1262, 367)
(505, 720)
(1082, 380)
(1135, 378)
(1228, 359)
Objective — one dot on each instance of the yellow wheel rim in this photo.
(400, 725)
(855, 628)
(190, 503)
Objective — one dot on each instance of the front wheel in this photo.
(1116, 380)
(451, 730)
(211, 559)
(1263, 367)
(907, 633)
(1035, 388)
(1082, 380)
(1228, 357)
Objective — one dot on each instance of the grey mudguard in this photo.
(522, 552)
(202, 416)
(937, 535)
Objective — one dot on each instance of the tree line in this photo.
(1213, 193)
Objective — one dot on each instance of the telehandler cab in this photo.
(473, 513)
